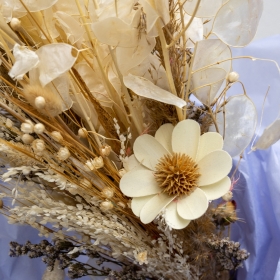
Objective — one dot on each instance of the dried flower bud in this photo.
(121, 204)
(15, 24)
(105, 150)
(38, 146)
(27, 139)
(39, 128)
(82, 132)
(108, 192)
(95, 163)
(56, 136)
(232, 77)
(63, 153)
(122, 172)
(27, 127)
(228, 196)
(9, 123)
(40, 102)
(106, 205)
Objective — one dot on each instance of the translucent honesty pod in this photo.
(239, 122)
(237, 21)
(112, 8)
(212, 63)
(93, 80)
(33, 5)
(130, 57)
(25, 60)
(207, 8)
(195, 31)
(115, 32)
(146, 88)
(55, 59)
(70, 26)
(270, 136)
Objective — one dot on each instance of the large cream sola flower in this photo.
(176, 172)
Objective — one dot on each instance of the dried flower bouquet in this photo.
(117, 132)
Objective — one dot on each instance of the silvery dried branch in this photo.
(85, 85)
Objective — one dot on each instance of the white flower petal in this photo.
(172, 217)
(164, 136)
(218, 189)
(139, 183)
(132, 164)
(214, 167)
(209, 142)
(138, 203)
(193, 206)
(185, 138)
(153, 207)
(148, 151)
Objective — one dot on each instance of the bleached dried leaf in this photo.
(207, 8)
(208, 69)
(70, 26)
(145, 88)
(55, 59)
(162, 8)
(25, 61)
(270, 136)
(240, 124)
(237, 21)
(114, 32)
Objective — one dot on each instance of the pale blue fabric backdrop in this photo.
(257, 193)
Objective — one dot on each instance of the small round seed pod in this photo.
(15, 24)
(27, 138)
(56, 136)
(82, 132)
(39, 128)
(106, 205)
(232, 77)
(40, 102)
(108, 192)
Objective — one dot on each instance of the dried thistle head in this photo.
(53, 103)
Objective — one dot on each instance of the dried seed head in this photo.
(53, 103)
(38, 146)
(232, 77)
(177, 174)
(27, 138)
(9, 123)
(106, 205)
(15, 24)
(56, 136)
(27, 127)
(39, 128)
(122, 172)
(63, 153)
(1, 204)
(82, 132)
(105, 150)
(108, 192)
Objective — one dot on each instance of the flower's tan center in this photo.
(177, 174)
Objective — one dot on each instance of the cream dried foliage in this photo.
(178, 173)
(53, 103)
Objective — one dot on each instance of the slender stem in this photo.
(186, 27)
(166, 57)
